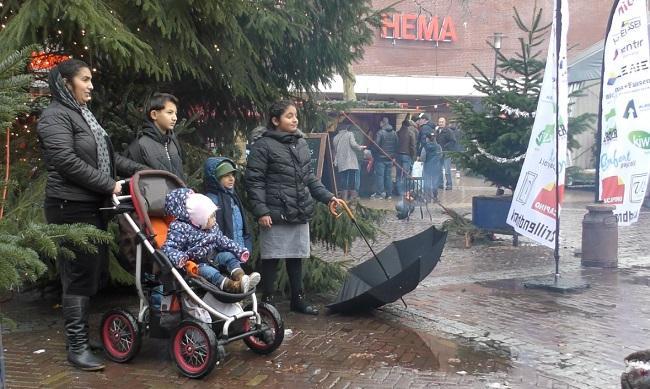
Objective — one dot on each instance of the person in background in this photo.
(386, 141)
(346, 162)
(156, 144)
(281, 189)
(431, 156)
(447, 140)
(406, 153)
(81, 176)
(425, 128)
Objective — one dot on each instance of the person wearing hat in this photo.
(426, 127)
(219, 185)
(194, 238)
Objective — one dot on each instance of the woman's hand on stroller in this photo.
(191, 268)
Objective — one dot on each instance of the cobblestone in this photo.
(472, 308)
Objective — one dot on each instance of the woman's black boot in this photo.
(75, 314)
(298, 303)
(269, 274)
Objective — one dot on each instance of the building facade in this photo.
(426, 49)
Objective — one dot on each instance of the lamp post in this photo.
(497, 37)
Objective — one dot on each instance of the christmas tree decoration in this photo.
(496, 137)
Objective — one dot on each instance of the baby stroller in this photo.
(197, 317)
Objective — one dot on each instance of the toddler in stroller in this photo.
(194, 237)
(197, 316)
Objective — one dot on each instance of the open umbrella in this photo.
(391, 273)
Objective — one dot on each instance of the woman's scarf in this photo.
(63, 95)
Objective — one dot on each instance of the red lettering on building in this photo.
(418, 28)
(448, 30)
(408, 26)
(427, 31)
(390, 23)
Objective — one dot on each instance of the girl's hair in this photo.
(277, 109)
(70, 68)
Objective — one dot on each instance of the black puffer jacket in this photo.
(70, 154)
(280, 181)
(387, 141)
(158, 151)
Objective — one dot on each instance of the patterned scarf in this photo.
(63, 95)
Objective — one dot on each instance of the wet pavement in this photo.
(470, 324)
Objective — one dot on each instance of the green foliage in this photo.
(518, 87)
(459, 224)
(29, 250)
(225, 58)
(14, 84)
(340, 232)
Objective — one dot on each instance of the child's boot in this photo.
(239, 286)
(254, 278)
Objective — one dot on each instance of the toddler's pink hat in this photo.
(199, 208)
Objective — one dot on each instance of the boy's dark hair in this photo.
(277, 109)
(70, 68)
(157, 102)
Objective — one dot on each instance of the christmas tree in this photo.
(496, 136)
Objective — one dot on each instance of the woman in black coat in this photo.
(281, 188)
(81, 169)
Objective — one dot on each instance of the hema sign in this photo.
(414, 27)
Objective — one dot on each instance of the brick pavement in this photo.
(470, 316)
(575, 340)
(330, 351)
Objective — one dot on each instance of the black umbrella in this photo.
(393, 272)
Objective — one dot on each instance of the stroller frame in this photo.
(257, 338)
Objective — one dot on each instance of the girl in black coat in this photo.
(281, 188)
(81, 169)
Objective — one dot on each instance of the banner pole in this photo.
(599, 127)
(558, 43)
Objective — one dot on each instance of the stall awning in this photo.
(416, 86)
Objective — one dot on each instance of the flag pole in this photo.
(554, 283)
(599, 129)
(558, 43)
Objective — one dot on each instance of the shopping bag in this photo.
(416, 172)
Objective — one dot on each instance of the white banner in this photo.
(533, 210)
(625, 111)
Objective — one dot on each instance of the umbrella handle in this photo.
(347, 210)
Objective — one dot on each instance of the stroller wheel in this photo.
(120, 335)
(272, 331)
(194, 348)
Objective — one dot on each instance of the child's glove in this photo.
(244, 256)
(192, 268)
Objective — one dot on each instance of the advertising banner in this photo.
(534, 206)
(624, 120)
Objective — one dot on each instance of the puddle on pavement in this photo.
(451, 356)
(368, 343)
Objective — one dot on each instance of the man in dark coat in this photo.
(446, 137)
(425, 128)
(387, 143)
(156, 145)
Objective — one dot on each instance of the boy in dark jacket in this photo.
(219, 185)
(195, 237)
(156, 145)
